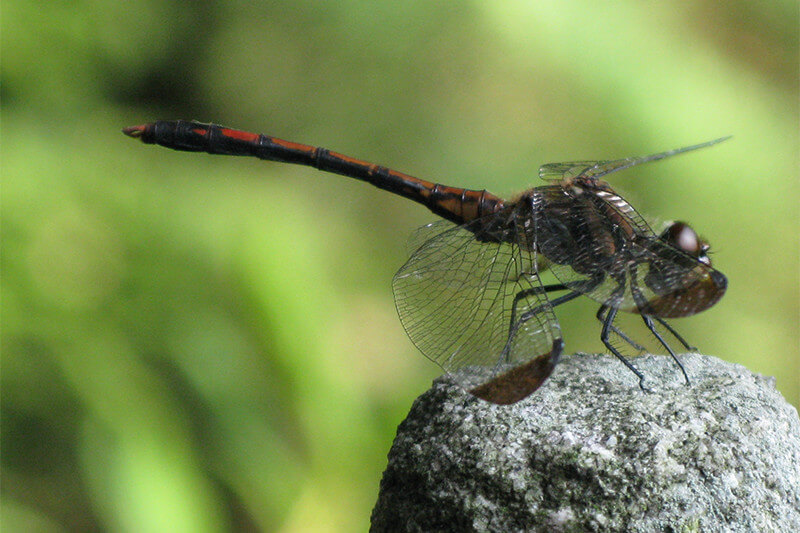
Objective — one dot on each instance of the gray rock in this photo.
(589, 451)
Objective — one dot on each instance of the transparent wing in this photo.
(471, 300)
(568, 169)
(425, 233)
(598, 169)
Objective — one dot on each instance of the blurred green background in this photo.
(199, 343)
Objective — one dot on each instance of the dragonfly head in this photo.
(683, 284)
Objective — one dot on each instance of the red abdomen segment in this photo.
(455, 204)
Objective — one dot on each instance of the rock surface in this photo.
(589, 451)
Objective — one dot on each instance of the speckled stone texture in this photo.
(590, 451)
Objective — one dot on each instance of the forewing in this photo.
(455, 297)
(566, 170)
(598, 169)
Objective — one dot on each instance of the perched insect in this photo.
(471, 296)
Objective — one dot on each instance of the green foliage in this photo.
(195, 343)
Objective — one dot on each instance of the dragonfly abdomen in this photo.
(455, 204)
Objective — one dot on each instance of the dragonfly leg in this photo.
(649, 323)
(533, 291)
(601, 317)
(607, 325)
(577, 289)
(674, 334)
(584, 287)
(515, 323)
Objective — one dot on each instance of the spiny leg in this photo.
(515, 324)
(577, 289)
(649, 323)
(558, 301)
(607, 324)
(641, 303)
(601, 317)
(675, 334)
(533, 291)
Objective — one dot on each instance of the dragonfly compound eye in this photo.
(681, 236)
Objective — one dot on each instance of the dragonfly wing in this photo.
(566, 170)
(598, 169)
(607, 167)
(471, 300)
(425, 233)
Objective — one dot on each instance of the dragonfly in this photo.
(472, 296)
